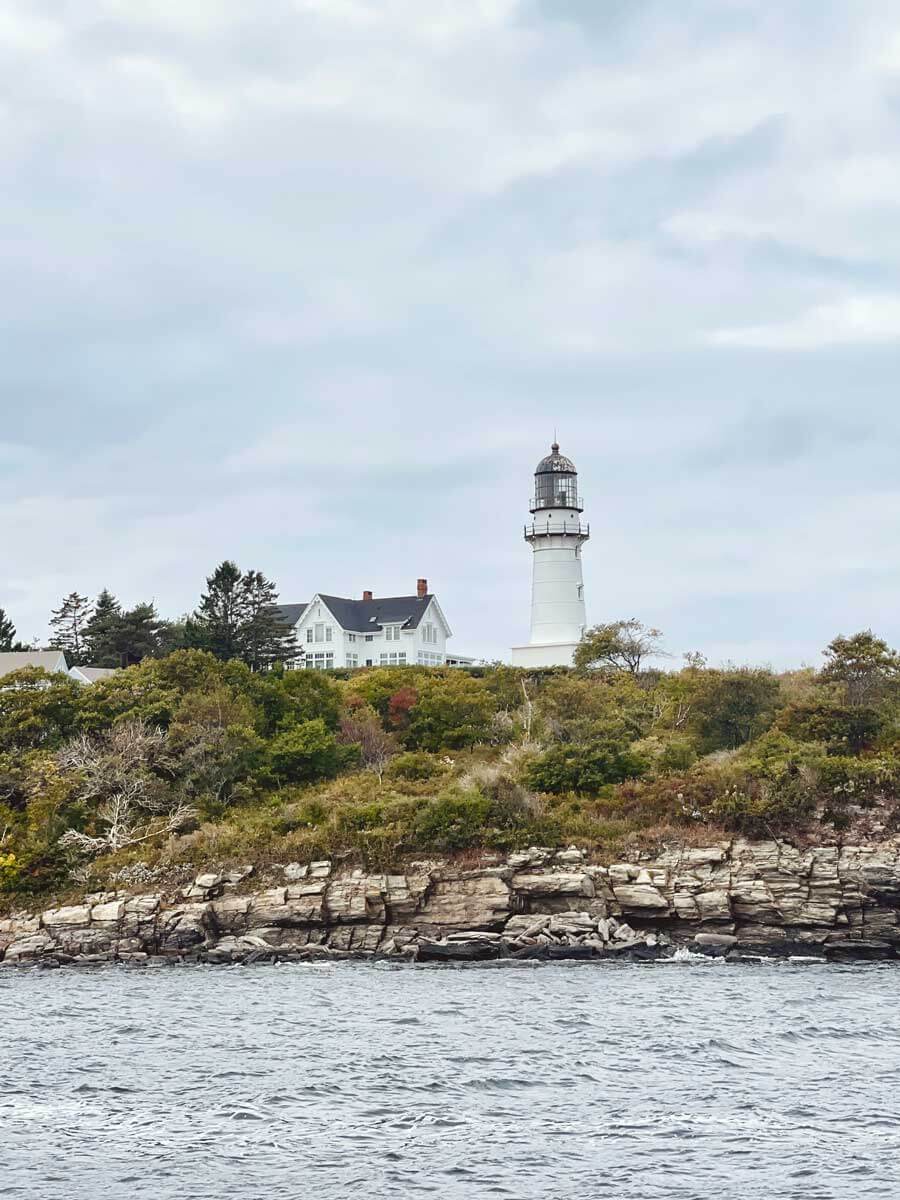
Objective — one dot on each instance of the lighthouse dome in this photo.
(556, 483)
(555, 463)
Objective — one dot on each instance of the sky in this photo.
(309, 284)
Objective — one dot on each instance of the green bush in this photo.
(454, 820)
(307, 752)
(584, 768)
(414, 765)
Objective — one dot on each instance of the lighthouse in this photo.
(556, 534)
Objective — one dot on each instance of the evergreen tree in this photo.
(265, 639)
(8, 634)
(101, 629)
(69, 622)
(217, 622)
(238, 618)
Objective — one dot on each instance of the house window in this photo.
(309, 634)
(401, 658)
(319, 661)
(351, 637)
(430, 633)
(392, 633)
(426, 659)
(320, 632)
(369, 636)
(383, 660)
(327, 633)
(352, 660)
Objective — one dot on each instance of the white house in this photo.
(391, 631)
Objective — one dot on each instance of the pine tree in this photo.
(218, 620)
(8, 634)
(238, 618)
(69, 622)
(265, 638)
(100, 631)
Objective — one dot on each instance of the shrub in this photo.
(454, 820)
(584, 768)
(415, 765)
(453, 712)
(307, 752)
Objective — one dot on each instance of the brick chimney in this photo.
(367, 595)
(421, 588)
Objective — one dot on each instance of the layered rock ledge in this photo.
(740, 899)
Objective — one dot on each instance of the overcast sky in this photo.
(309, 284)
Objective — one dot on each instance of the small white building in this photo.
(393, 631)
(53, 661)
(556, 534)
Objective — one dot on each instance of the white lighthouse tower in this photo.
(556, 534)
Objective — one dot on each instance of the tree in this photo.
(99, 629)
(69, 622)
(37, 709)
(307, 752)
(8, 640)
(264, 638)
(238, 618)
(864, 664)
(362, 728)
(618, 646)
(215, 745)
(125, 772)
(120, 639)
(732, 707)
(453, 711)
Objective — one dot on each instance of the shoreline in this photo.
(738, 899)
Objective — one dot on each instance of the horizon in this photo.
(264, 308)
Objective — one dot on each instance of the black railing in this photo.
(563, 500)
(551, 528)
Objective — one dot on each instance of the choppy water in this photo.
(330, 1081)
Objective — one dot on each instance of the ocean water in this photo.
(684, 1080)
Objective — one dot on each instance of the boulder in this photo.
(554, 883)
(468, 901)
(640, 897)
(108, 914)
(72, 915)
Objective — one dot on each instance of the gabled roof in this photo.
(91, 674)
(291, 613)
(15, 660)
(362, 616)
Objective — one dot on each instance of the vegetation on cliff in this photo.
(192, 757)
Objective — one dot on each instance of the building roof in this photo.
(91, 674)
(362, 616)
(49, 660)
(291, 613)
(555, 463)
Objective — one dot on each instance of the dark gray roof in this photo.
(291, 613)
(555, 463)
(362, 616)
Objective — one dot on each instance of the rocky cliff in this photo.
(738, 899)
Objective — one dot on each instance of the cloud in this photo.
(310, 285)
(856, 320)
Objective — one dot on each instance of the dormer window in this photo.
(392, 633)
